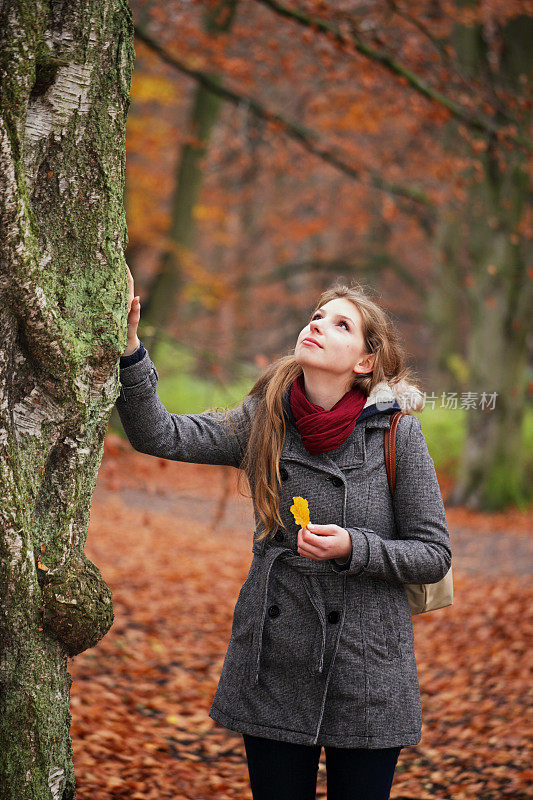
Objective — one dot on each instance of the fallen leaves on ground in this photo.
(140, 700)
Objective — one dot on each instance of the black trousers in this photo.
(286, 771)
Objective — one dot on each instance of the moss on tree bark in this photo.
(63, 104)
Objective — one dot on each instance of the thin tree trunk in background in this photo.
(446, 306)
(160, 307)
(63, 104)
(490, 230)
(248, 230)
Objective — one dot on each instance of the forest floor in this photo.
(173, 541)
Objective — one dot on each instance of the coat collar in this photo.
(382, 400)
(351, 453)
(406, 395)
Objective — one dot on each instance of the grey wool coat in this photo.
(319, 653)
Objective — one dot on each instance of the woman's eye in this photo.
(341, 322)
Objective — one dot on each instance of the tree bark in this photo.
(63, 103)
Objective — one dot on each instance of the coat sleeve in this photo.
(207, 438)
(421, 552)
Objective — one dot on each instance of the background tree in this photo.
(64, 98)
(485, 260)
(179, 252)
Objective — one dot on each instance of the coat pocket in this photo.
(237, 662)
(381, 623)
(390, 616)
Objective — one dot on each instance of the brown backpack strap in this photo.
(390, 447)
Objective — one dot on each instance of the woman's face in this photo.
(337, 328)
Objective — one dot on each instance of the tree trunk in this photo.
(488, 231)
(63, 103)
(500, 297)
(160, 306)
(446, 306)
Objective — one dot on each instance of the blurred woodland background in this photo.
(272, 149)
(276, 147)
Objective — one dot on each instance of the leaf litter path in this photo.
(175, 557)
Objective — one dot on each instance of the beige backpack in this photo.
(422, 596)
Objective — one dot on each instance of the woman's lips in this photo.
(311, 344)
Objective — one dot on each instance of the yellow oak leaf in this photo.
(300, 511)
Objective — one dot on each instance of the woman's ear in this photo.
(365, 365)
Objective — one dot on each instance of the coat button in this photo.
(336, 481)
(279, 537)
(274, 612)
(333, 617)
(283, 474)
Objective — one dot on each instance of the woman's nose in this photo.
(315, 325)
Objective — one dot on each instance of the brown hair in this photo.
(261, 457)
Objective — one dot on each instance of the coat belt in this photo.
(310, 569)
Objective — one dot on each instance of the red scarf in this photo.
(323, 430)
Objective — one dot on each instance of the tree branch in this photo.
(371, 263)
(482, 124)
(305, 136)
(437, 44)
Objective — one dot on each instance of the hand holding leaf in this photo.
(321, 542)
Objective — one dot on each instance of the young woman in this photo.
(321, 652)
